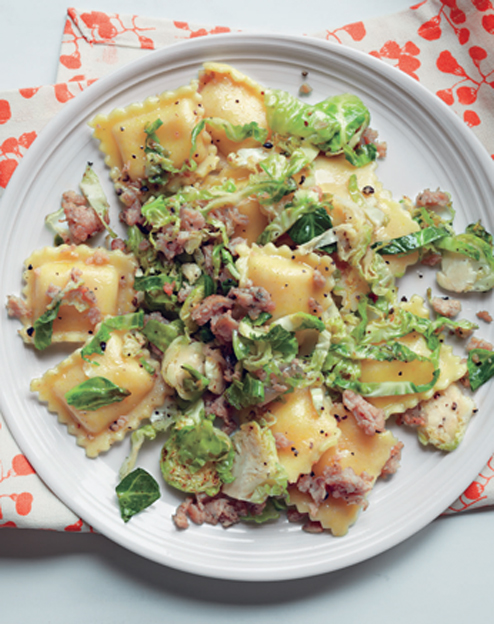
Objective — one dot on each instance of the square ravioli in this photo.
(135, 374)
(123, 139)
(91, 284)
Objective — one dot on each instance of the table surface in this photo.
(442, 574)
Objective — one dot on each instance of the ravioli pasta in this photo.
(97, 430)
(251, 316)
(107, 275)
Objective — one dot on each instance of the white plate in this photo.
(428, 147)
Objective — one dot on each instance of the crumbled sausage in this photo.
(478, 343)
(484, 316)
(431, 199)
(446, 306)
(82, 220)
(370, 418)
(219, 509)
(393, 462)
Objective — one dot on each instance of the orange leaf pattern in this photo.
(24, 500)
(356, 31)
(477, 492)
(447, 45)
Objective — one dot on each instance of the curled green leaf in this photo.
(135, 492)
(480, 367)
(411, 242)
(94, 393)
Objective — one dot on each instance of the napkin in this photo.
(447, 45)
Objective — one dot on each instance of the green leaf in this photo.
(293, 217)
(477, 229)
(311, 225)
(135, 492)
(480, 367)
(94, 393)
(162, 334)
(199, 382)
(159, 290)
(244, 393)
(157, 213)
(203, 287)
(350, 116)
(360, 156)
(386, 388)
(236, 133)
(197, 458)
(146, 257)
(257, 472)
(150, 130)
(411, 242)
(333, 126)
(298, 321)
(289, 116)
(43, 327)
(125, 322)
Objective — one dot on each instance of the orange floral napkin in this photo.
(447, 45)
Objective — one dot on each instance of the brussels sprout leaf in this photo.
(480, 367)
(94, 393)
(135, 492)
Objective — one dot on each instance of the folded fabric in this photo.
(447, 45)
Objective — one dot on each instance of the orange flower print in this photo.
(71, 61)
(62, 93)
(101, 25)
(21, 466)
(356, 31)
(475, 492)
(488, 23)
(29, 93)
(11, 151)
(23, 501)
(104, 28)
(202, 32)
(405, 56)
(466, 89)
(432, 29)
(482, 5)
(5, 112)
(74, 528)
(77, 527)
(471, 118)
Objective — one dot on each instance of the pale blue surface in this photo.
(442, 574)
